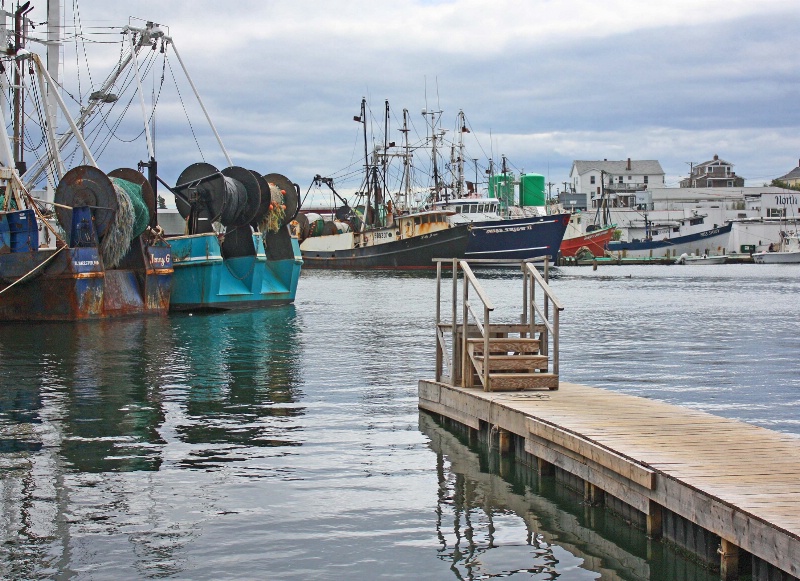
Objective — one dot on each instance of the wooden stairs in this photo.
(514, 363)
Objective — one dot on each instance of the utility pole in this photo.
(549, 190)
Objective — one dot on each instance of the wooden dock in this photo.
(726, 491)
(734, 480)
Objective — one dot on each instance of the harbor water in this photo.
(286, 443)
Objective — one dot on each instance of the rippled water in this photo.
(286, 443)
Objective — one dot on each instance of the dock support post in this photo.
(504, 441)
(545, 468)
(654, 517)
(728, 561)
(593, 495)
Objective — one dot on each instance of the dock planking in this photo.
(735, 480)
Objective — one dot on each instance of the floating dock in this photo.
(724, 491)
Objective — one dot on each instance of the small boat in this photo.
(787, 251)
(701, 259)
(707, 240)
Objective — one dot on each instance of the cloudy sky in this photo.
(542, 82)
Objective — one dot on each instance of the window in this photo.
(630, 178)
(592, 180)
(620, 179)
(730, 183)
(458, 209)
(646, 179)
(776, 212)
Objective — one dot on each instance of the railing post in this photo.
(555, 341)
(464, 333)
(456, 370)
(486, 386)
(439, 354)
(524, 316)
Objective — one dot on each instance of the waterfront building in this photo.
(617, 182)
(715, 173)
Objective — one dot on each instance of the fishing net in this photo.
(117, 240)
(141, 212)
(274, 218)
(130, 220)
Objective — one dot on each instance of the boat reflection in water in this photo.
(498, 518)
(90, 412)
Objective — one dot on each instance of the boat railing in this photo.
(470, 319)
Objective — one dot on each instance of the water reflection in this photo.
(90, 412)
(496, 518)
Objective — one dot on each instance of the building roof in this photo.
(792, 175)
(710, 194)
(716, 160)
(639, 167)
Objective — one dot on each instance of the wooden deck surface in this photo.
(737, 480)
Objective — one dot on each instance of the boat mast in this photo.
(20, 30)
(367, 189)
(385, 149)
(53, 62)
(462, 129)
(406, 161)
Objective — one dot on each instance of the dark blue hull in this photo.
(517, 238)
(714, 240)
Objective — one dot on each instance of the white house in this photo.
(619, 181)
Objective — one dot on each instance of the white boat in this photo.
(787, 252)
(700, 259)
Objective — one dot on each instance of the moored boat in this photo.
(787, 251)
(694, 259)
(238, 252)
(707, 241)
(595, 242)
(106, 259)
(494, 237)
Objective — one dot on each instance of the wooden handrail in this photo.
(459, 363)
(476, 285)
(545, 287)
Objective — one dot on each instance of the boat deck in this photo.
(735, 480)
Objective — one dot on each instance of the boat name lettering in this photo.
(160, 260)
(710, 233)
(87, 263)
(508, 229)
(381, 235)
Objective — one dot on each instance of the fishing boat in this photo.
(375, 232)
(594, 242)
(238, 252)
(707, 241)
(235, 250)
(409, 240)
(97, 255)
(786, 252)
(502, 227)
(494, 237)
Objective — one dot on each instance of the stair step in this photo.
(524, 363)
(505, 345)
(522, 381)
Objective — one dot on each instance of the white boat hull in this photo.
(791, 257)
